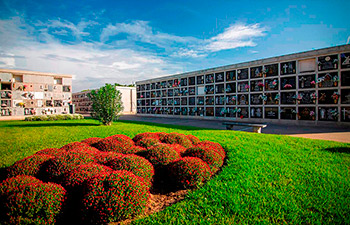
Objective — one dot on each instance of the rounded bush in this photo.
(179, 148)
(113, 197)
(91, 141)
(212, 146)
(161, 155)
(27, 200)
(123, 138)
(113, 145)
(147, 142)
(176, 138)
(76, 177)
(64, 163)
(137, 165)
(30, 166)
(138, 137)
(135, 149)
(189, 172)
(212, 158)
(193, 139)
(50, 151)
(79, 146)
(103, 157)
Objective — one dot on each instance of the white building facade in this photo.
(310, 87)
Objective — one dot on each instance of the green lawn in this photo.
(266, 179)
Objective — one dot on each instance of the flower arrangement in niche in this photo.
(261, 84)
(287, 86)
(335, 97)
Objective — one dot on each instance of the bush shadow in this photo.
(338, 150)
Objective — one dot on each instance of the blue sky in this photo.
(125, 41)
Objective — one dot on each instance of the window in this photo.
(57, 80)
(66, 89)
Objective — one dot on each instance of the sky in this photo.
(123, 42)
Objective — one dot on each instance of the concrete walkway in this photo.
(341, 134)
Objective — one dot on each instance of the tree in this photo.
(106, 104)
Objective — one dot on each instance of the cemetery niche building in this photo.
(27, 93)
(310, 87)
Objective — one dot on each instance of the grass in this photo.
(266, 179)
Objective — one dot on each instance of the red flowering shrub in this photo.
(91, 141)
(137, 165)
(161, 155)
(211, 157)
(135, 149)
(176, 138)
(103, 157)
(28, 166)
(193, 139)
(65, 162)
(50, 151)
(77, 176)
(147, 142)
(123, 138)
(189, 171)
(27, 200)
(179, 148)
(110, 144)
(79, 146)
(138, 137)
(212, 146)
(114, 196)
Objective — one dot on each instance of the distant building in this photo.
(83, 103)
(310, 87)
(26, 93)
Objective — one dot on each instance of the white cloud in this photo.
(235, 36)
(141, 31)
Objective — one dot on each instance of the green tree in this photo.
(106, 104)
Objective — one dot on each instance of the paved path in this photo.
(341, 134)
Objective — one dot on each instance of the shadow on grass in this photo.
(339, 149)
(171, 126)
(54, 124)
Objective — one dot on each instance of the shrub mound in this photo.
(211, 157)
(193, 139)
(161, 155)
(147, 142)
(212, 146)
(176, 138)
(91, 141)
(103, 157)
(76, 177)
(30, 165)
(137, 165)
(190, 172)
(27, 200)
(105, 180)
(114, 144)
(50, 151)
(64, 163)
(114, 196)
